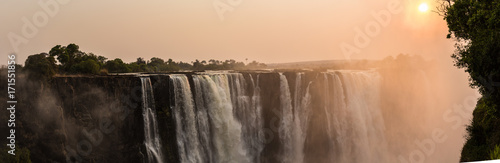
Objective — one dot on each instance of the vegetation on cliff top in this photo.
(475, 25)
(71, 60)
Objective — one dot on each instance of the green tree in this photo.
(117, 66)
(74, 61)
(140, 60)
(40, 66)
(475, 25)
(156, 64)
(197, 65)
(101, 60)
(88, 67)
(68, 56)
(185, 66)
(134, 67)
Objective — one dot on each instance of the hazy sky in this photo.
(270, 31)
(262, 30)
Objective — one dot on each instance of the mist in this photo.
(425, 102)
(425, 110)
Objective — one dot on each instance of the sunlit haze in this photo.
(266, 31)
(423, 7)
(400, 89)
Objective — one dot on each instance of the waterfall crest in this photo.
(355, 123)
(151, 136)
(331, 116)
(211, 133)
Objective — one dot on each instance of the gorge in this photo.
(291, 116)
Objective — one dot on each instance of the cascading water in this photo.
(294, 119)
(227, 140)
(287, 125)
(219, 138)
(247, 108)
(254, 136)
(185, 118)
(151, 136)
(354, 118)
(220, 117)
(300, 117)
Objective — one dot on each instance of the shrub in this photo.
(40, 66)
(495, 153)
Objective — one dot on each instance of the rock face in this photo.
(101, 118)
(222, 117)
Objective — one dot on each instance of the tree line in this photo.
(71, 60)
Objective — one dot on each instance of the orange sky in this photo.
(266, 31)
(269, 31)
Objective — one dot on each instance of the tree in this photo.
(88, 67)
(102, 59)
(197, 65)
(66, 55)
(134, 67)
(75, 61)
(170, 62)
(255, 65)
(40, 66)
(156, 63)
(117, 66)
(185, 66)
(140, 60)
(475, 25)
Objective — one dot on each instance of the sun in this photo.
(423, 7)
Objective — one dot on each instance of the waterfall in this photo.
(300, 117)
(247, 108)
(227, 140)
(151, 136)
(255, 137)
(203, 120)
(186, 121)
(210, 133)
(294, 120)
(219, 117)
(355, 123)
(287, 126)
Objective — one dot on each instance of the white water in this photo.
(294, 119)
(256, 139)
(184, 115)
(355, 122)
(219, 138)
(301, 112)
(247, 109)
(223, 122)
(287, 125)
(151, 136)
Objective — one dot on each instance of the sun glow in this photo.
(423, 7)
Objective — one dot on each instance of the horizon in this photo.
(267, 32)
(326, 80)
